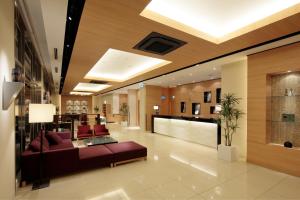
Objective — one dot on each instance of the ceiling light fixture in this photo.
(90, 87)
(80, 93)
(218, 21)
(116, 65)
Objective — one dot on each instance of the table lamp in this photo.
(41, 113)
(156, 108)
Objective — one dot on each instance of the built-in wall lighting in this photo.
(117, 65)
(70, 18)
(68, 45)
(289, 71)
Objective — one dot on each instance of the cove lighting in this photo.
(218, 21)
(81, 93)
(90, 87)
(116, 65)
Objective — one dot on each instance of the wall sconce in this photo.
(10, 91)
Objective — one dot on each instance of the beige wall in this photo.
(7, 134)
(142, 107)
(132, 104)
(234, 80)
(260, 66)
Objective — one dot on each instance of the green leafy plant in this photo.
(96, 109)
(229, 116)
(124, 109)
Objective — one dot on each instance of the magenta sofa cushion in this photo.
(84, 129)
(127, 150)
(35, 145)
(63, 145)
(94, 156)
(100, 128)
(54, 138)
(101, 133)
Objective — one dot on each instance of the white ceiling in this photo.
(116, 65)
(217, 18)
(48, 19)
(90, 87)
(54, 15)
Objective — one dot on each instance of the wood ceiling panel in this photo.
(117, 24)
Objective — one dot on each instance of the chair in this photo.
(84, 131)
(100, 130)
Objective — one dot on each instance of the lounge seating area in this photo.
(60, 157)
(85, 131)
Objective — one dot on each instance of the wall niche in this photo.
(285, 108)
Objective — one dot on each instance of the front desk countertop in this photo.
(205, 131)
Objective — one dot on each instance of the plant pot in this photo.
(228, 153)
(124, 123)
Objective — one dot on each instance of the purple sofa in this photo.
(63, 158)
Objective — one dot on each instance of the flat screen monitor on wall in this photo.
(218, 95)
(196, 109)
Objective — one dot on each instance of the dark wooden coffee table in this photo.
(99, 141)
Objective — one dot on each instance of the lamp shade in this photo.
(156, 107)
(218, 108)
(40, 113)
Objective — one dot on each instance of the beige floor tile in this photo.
(174, 169)
(288, 188)
(248, 185)
(173, 190)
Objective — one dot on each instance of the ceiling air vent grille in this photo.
(159, 44)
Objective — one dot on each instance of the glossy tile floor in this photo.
(175, 169)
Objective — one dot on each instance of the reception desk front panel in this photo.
(189, 129)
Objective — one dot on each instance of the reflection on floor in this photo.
(175, 169)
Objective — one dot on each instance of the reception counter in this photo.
(198, 130)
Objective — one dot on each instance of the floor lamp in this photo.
(41, 113)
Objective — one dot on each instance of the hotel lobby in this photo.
(150, 99)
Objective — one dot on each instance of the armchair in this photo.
(100, 130)
(84, 131)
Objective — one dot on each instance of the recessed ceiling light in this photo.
(116, 65)
(214, 68)
(218, 21)
(191, 74)
(70, 18)
(81, 93)
(68, 45)
(289, 71)
(90, 87)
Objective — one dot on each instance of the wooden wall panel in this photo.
(259, 150)
(194, 93)
(65, 98)
(188, 93)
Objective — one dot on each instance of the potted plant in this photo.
(96, 109)
(228, 119)
(124, 113)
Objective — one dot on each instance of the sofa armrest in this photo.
(30, 165)
(64, 135)
(61, 161)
